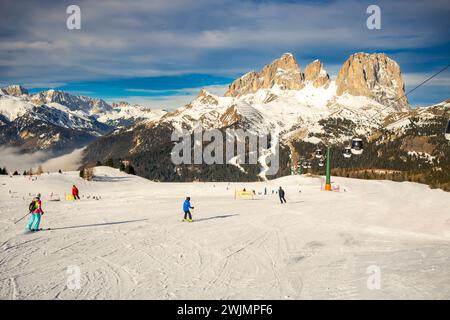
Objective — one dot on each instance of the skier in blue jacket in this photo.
(186, 207)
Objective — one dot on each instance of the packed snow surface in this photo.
(131, 243)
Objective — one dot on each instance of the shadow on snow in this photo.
(216, 217)
(98, 224)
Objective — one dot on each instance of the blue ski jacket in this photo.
(186, 205)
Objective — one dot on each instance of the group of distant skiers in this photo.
(187, 204)
(35, 208)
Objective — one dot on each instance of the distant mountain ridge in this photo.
(306, 107)
(60, 122)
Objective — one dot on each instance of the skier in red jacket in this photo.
(75, 193)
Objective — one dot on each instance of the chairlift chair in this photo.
(321, 163)
(357, 146)
(318, 153)
(347, 153)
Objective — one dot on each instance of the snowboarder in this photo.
(281, 195)
(186, 207)
(75, 193)
(36, 212)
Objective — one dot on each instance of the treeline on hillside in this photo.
(86, 172)
(153, 160)
(387, 157)
(4, 171)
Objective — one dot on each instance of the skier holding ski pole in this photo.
(36, 212)
(22, 218)
(31, 208)
(186, 207)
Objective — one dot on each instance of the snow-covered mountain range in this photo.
(58, 121)
(304, 105)
(282, 98)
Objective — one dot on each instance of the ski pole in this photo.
(22, 217)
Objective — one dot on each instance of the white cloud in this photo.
(169, 102)
(13, 159)
(159, 102)
(157, 37)
(414, 79)
(67, 162)
(152, 38)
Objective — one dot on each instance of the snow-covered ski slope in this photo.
(131, 242)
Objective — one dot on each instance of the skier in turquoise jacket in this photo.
(35, 213)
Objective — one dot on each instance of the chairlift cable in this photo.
(407, 93)
(413, 89)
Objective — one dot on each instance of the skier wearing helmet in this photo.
(36, 212)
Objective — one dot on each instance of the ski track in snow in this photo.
(131, 243)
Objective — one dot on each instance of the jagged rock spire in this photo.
(375, 76)
(316, 73)
(283, 72)
(14, 90)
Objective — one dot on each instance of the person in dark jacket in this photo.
(281, 195)
(186, 207)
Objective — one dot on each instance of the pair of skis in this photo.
(40, 229)
(31, 231)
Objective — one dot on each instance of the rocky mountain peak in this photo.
(14, 90)
(120, 104)
(283, 72)
(205, 97)
(315, 73)
(375, 76)
(51, 96)
(91, 105)
(203, 93)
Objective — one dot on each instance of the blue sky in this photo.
(160, 53)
